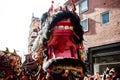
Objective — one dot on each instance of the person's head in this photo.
(97, 73)
(108, 77)
(117, 78)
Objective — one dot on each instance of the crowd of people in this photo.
(108, 74)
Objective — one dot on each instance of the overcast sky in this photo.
(15, 18)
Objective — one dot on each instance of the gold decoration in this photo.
(7, 50)
(14, 51)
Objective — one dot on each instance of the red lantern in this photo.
(52, 1)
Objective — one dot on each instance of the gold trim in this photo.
(78, 68)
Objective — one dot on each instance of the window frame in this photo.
(81, 11)
(85, 30)
(102, 17)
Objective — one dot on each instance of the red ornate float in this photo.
(59, 46)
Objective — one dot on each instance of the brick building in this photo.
(101, 22)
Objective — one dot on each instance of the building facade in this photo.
(101, 24)
(33, 32)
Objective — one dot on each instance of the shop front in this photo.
(104, 56)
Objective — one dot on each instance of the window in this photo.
(84, 6)
(84, 24)
(105, 17)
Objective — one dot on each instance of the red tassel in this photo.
(74, 7)
(52, 1)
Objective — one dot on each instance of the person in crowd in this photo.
(108, 77)
(97, 76)
(112, 74)
(88, 77)
(117, 78)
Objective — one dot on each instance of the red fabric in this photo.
(73, 1)
(43, 78)
(48, 70)
(60, 44)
